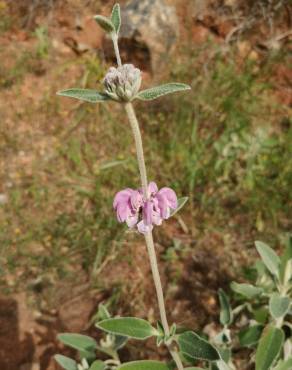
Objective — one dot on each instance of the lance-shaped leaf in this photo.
(129, 327)
(269, 257)
(116, 17)
(156, 92)
(278, 305)
(247, 290)
(196, 347)
(180, 203)
(284, 365)
(248, 337)
(269, 347)
(91, 96)
(105, 23)
(97, 365)
(143, 365)
(78, 341)
(286, 262)
(66, 362)
(226, 311)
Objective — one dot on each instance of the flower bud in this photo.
(122, 83)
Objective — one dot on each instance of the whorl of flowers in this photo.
(122, 83)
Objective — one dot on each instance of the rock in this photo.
(149, 32)
(75, 314)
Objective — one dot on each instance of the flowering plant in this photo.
(143, 209)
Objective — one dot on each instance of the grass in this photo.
(226, 145)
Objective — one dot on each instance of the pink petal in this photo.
(147, 212)
(170, 195)
(132, 220)
(162, 204)
(122, 197)
(152, 188)
(136, 199)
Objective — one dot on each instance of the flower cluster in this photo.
(122, 83)
(132, 207)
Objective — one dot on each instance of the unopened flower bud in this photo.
(122, 83)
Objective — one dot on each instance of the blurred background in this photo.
(226, 145)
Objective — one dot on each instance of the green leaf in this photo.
(226, 311)
(105, 23)
(278, 305)
(156, 92)
(77, 341)
(116, 17)
(91, 96)
(120, 341)
(180, 203)
(286, 262)
(193, 368)
(143, 365)
(66, 362)
(129, 327)
(196, 347)
(269, 257)
(97, 365)
(269, 347)
(247, 290)
(248, 337)
(284, 365)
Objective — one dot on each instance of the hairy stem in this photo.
(148, 237)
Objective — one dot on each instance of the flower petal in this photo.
(170, 195)
(122, 197)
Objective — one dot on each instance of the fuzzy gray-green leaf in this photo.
(158, 91)
(278, 305)
(248, 337)
(180, 203)
(66, 362)
(196, 347)
(77, 341)
(129, 327)
(143, 365)
(116, 17)
(269, 257)
(247, 290)
(226, 311)
(97, 365)
(91, 96)
(105, 23)
(269, 347)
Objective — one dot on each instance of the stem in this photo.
(117, 51)
(148, 237)
(139, 147)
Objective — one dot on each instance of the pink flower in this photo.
(131, 207)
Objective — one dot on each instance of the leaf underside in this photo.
(91, 96)
(158, 91)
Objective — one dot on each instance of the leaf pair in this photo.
(110, 25)
(93, 96)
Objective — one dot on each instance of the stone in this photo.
(148, 35)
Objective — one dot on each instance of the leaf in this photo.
(120, 341)
(129, 327)
(105, 23)
(156, 92)
(247, 290)
(248, 337)
(116, 17)
(278, 305)
(180, 203)
(77, 341)
(226, 311)
(269, 257)
(284, 365)
(97, 365)
(66, 362)
(91, 96)
(269, 347)
(286, 262)
(196, 347)
(143, 365)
